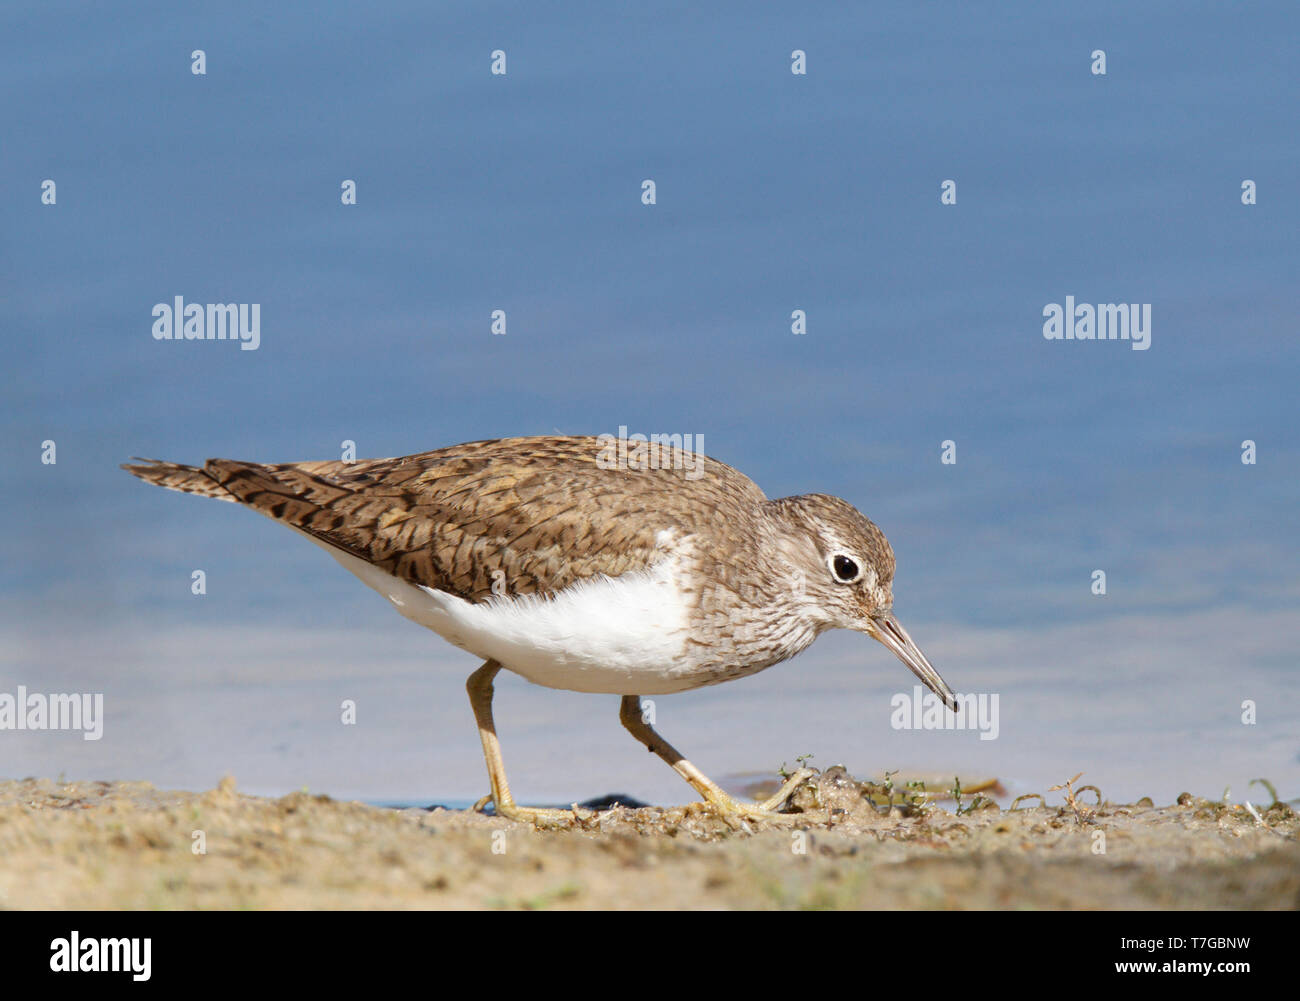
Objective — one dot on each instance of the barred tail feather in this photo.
(174, 476)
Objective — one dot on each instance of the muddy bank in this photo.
(129, 845)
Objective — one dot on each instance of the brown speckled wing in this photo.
(449, 519)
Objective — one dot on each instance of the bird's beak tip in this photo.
(889, 631)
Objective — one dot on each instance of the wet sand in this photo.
(119, 845)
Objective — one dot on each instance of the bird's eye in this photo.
(846, 570)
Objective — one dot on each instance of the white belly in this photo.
(622, 635)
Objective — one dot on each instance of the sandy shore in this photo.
(129, 845)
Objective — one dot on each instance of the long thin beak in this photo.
(887, 629)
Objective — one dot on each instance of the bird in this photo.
(579, 566)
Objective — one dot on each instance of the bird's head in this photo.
(846, 567)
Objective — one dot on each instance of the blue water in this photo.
(775, 192)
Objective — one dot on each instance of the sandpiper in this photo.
(535, 555)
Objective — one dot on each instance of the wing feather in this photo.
(452, 518)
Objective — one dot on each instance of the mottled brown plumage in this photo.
(449, 518)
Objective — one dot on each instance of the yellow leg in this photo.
(629, 715)
(480, 691)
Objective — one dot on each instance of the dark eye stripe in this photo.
(845, 568)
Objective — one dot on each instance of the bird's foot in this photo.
(733, 811)
(543, 817)
(766, 811)
(796, 778)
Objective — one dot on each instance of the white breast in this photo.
(622, 635)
